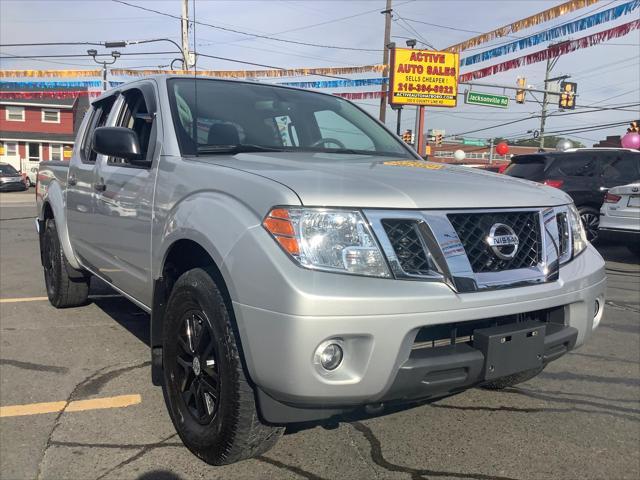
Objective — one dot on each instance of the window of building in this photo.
(50, 115)
(10, 149)
(55, 152)
(14, 114)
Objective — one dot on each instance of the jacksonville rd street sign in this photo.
(486, 99)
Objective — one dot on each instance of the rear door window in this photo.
(574, 165)
(99, 115)
(620, 168)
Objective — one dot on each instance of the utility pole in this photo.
(551, 62)
(385, 59)
(545, 100)
(491, 151)
(184, 23)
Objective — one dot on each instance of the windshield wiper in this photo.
(239, 148)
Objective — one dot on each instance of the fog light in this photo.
(329, 355)
(598, 311)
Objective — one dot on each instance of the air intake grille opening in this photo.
(563, 233)
(462, 332)
(407, 245)
(473, 229)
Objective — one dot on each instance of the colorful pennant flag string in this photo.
(290, 72)
(553, 33)
(359, 95)
(31, 94)
(49, 73)
(360, 82)
(34, 85)
(528, 22)
(553, 51)
(275, 73)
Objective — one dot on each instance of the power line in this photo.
(256, 35)
(84, 55)
(504, 124)
(41, 44)
(262, 65)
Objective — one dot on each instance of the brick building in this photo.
(37, 129)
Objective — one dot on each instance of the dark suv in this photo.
(584, 173)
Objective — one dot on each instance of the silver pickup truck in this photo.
(300, 262)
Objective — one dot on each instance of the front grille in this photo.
(405, 240)
(473, 229)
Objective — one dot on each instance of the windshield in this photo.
(233, 117)
(7, 169)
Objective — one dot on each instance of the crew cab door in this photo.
(80, 189)
(124, 197)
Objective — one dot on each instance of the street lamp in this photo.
(93, 53)
(411, 42)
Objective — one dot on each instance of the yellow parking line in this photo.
(41, 299)
(22, 299)
(75, 406)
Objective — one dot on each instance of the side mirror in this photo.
(118, 142)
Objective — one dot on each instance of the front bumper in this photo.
(285, 317)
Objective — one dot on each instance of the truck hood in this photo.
(336, 180)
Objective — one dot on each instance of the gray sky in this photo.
(607, 74)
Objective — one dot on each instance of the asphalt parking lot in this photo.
(78, 401)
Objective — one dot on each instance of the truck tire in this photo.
(511, 380)
(63, 290)
(210, 401)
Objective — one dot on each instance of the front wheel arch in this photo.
(183, 255)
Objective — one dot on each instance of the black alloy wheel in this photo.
(210, 400)
(199, 380)
(66, 286)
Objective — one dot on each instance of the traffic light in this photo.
(568, 95)
(438, 139)
(520, 94)
(407, 136)
(634, 127)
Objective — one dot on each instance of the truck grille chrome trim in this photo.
(472, 230)
(458, 247)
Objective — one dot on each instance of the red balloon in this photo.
(502, 148)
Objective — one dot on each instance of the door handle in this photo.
(72, 180)
(100, 187)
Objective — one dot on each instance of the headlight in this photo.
(327, 239)
(578, 235)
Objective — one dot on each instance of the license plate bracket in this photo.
(509, 349)
(634, 201)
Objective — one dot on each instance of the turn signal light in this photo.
(611, 198)
(278, 224)
(554, 183)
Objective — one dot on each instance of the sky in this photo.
(608, 75)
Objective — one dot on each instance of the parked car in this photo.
(300, 262)
(620, 216)
(584, 173)
(30, 176)
(10, 179)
